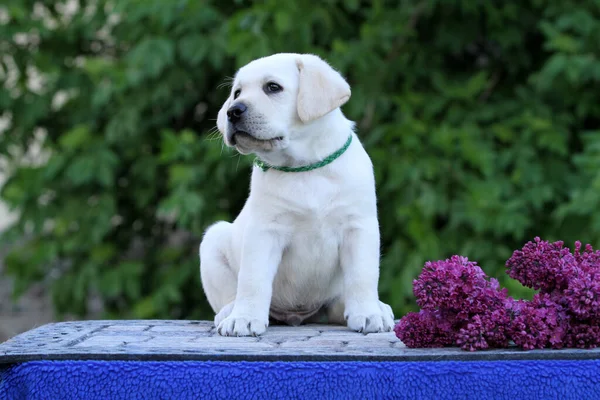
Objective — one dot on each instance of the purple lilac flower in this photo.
(583, 335)
(588, 257)
(497, 324)
(582, 295)
(483, 298)
(488, 329)
(424, 329)
(538, 324)
(448, 283)
(472, 336)
(541, 265)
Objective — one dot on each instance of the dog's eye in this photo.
(237, 93)
(272, 87)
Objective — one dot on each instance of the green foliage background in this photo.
(481, 117)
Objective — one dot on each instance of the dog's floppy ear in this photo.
(321, 89)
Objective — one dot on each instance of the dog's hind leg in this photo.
(335, 312)
(219, 280)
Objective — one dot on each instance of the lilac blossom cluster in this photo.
(460, 306)
(566, 312)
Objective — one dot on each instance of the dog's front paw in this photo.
(242, 326)
(377, 318)
(224, 313)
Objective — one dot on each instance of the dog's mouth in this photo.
(247, 140)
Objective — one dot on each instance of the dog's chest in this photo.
(309, 275)
(320, 203)
(314, 217)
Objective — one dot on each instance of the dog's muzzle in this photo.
(235, 112)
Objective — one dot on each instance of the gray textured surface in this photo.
(197, 340)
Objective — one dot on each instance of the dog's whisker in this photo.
(213, 134)
(227, 82)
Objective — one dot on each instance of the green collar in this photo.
(327, 160)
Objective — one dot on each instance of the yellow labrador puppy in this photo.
(306, 243)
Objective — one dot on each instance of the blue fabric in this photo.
(91, 380)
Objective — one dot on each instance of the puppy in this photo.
(306, 243)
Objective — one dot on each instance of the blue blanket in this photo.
(91, 380)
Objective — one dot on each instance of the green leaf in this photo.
(283, 21)
(193, 48)
(151, 57)
(81, 170)
(76, 138)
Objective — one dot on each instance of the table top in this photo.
(178, 340)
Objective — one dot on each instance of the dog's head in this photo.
(274, 97)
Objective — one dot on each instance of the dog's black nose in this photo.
(234, 114)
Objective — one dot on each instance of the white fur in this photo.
(303, 240)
